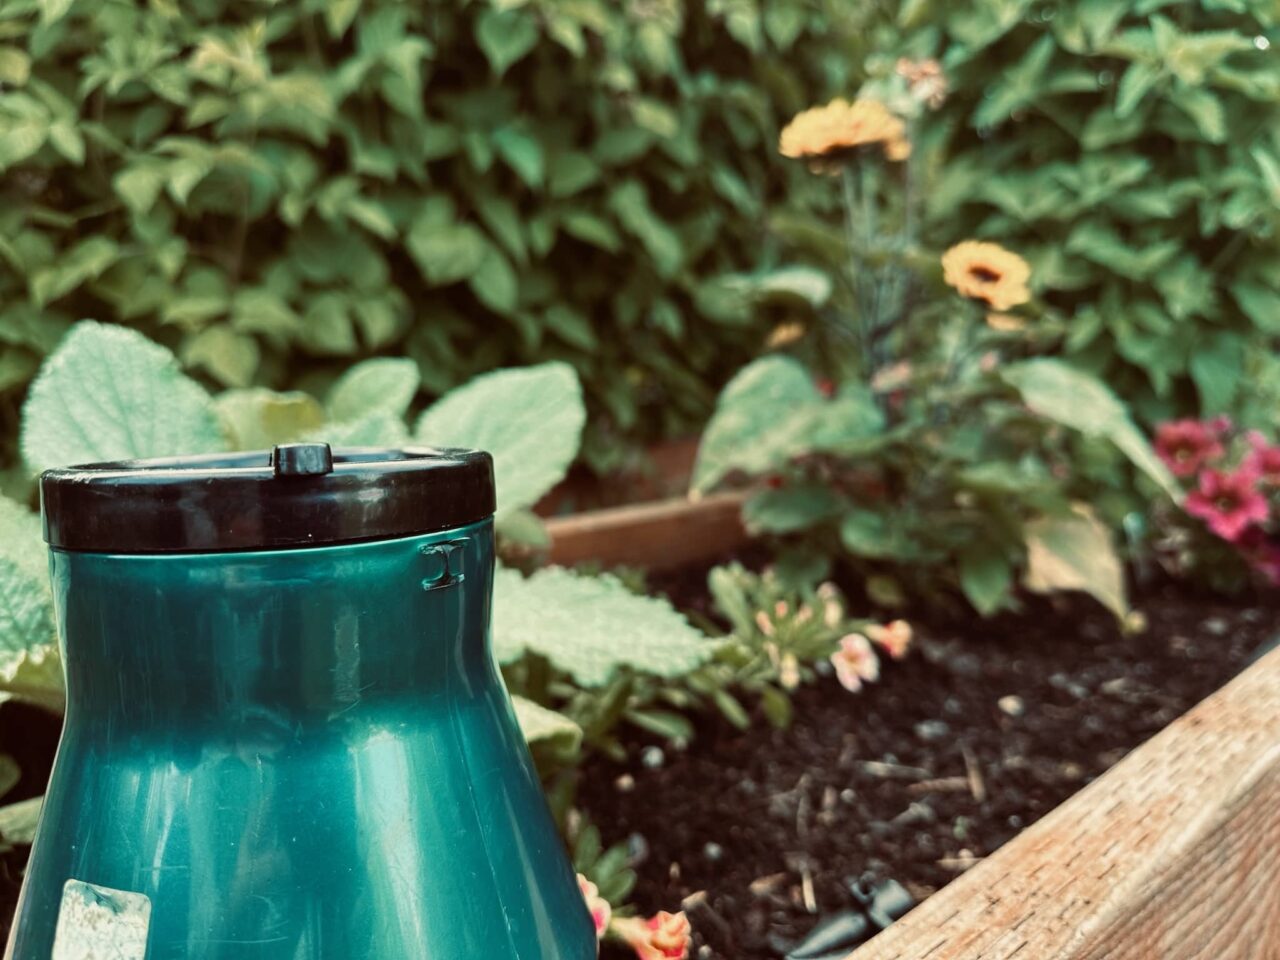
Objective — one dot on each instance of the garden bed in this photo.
(987, 727)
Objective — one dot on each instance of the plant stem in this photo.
(856, 280)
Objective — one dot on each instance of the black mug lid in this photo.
(297, 495)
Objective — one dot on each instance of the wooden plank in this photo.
(1173, 854)
(657, 536)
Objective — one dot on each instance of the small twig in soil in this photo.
(941, 785)
(806, 888)
(767, 886)
(893, 771)
(977, 785)
(704, 914)
(960, 862)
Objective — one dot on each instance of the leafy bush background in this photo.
(1131, 149)
(277, 189)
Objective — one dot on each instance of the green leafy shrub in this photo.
(275, 189)
(1130, 149)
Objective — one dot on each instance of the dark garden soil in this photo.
(985, 727)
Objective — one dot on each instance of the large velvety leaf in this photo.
(591, 626)
(1081, 401)
(1075, 552)
(258, 418)
(763, 417)
(554, 731)
(384, 385)
(530, 419)
(29, 665)
(108, 393)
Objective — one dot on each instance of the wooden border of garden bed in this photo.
(658, 536)
(1174, 854)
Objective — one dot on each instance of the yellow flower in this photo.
(988, 273)
(841, 127)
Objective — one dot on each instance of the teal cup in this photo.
(286, 737)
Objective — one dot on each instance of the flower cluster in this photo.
(855, 660)
(1233, 484)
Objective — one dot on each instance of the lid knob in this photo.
(302, 459)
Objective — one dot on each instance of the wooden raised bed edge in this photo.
(659, 536)
(1173, 854)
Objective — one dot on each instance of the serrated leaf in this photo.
(258, 418)
(382, 385)
(108, 393)
(551, 730)
(530, 419)
(1075, 552)
(762, 419)
(590, 627)
(1079, 400)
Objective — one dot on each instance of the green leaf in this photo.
(495, 283)
(524, 528)
(505, 36)
(383, 385)
(762, 419)
(85, 261)
(108, 393)
(1136, 83)
(447, 253)
(590, 627)
(866, 533)
(791, 509)
(986, 576)
(529, 419)
(630, 202)
(1079, 400)
(18, 821)
(1217, 367)
(1075, 552)
(523, 153)
(258, 418)
(378, 429)
(553, 731)
(231, 358)
(29, 666)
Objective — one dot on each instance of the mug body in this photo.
(293, 754)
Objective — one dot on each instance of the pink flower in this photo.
(855, 662)
(661, 937)
(894, 637)
(1264, 460)
(1229, 503)
(601, 912)
(1187, 445)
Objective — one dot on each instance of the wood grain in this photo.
(1173, 854)
(658, 536)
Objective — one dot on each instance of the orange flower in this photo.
(662, 937)
(894, 637)
(988, 273)
(840, 128)
(601, 912)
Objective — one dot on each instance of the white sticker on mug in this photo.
(98, 923)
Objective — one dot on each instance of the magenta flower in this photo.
(601, 912)
(1263, 460)
(1229, 503)
(1262, 554)
(1188, 445)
